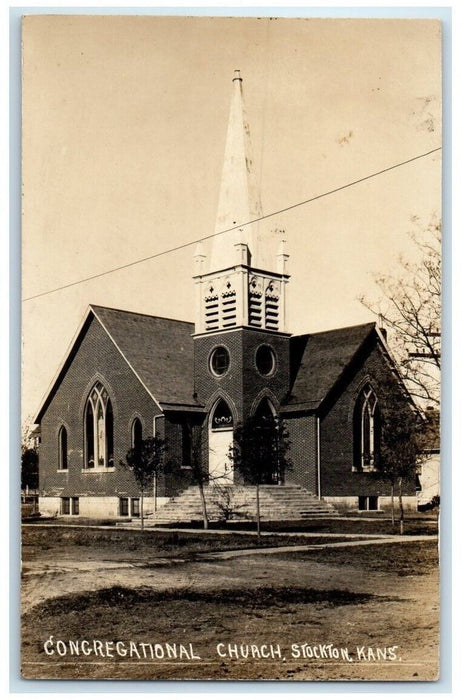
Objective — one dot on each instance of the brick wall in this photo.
(178, 476)
(242, 382)
(303, 451)
(336, 448)
(96, 359)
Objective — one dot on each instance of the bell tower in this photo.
(241, 342)
(236, 285)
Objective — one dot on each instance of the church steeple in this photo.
(236, 290)
(239, 200)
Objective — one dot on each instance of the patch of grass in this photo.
(184, 615)
(401, 559)
(357, 526)
(122, 598)
(150, 544)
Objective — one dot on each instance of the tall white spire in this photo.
(239, 198)
(240, 288)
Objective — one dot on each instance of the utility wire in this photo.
(233, 228)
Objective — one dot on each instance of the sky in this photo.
(124, 127)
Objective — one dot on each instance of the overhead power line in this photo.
(233, 228)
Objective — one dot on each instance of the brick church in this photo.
(130, 375)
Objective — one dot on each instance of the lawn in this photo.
(373, 597)
(93, 543)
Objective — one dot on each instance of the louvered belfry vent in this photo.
(255, 303)
(228, 306)
(271, 304)
(211, 310)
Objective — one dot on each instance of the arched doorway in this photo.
(220, 436)
(267, 426)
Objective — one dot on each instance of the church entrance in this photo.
(220, 436)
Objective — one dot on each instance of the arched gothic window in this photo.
(366, 430)
(99, 429)
(62, 448)
(136, 433)
(265, 412)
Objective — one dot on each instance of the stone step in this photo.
(239, 503)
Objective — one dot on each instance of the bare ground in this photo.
(360, 598)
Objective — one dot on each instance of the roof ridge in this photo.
(335, 330)
(322, 364)
(139, 313)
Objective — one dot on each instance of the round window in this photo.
(265, 360)
(219, 360)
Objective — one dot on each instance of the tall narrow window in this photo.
(136, 433)
(109, 434)
(99, 429)
(62, 448)
(366, 430)
(89, 424)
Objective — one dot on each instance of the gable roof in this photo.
(319, 360)
(160, 353)
(158, 350)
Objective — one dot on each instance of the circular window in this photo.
(265, 360)
(219, 360)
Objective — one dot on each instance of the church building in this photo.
(129, 375)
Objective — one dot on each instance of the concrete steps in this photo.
(239, 503)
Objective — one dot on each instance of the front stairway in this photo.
(239, 503)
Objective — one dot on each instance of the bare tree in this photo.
(260, 453)
(145, 460)
(29, 456)
(199, 473)
(402, 442)
(410, 307)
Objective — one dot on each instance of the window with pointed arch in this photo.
(367, 430)
(265, 413)
(136, 433)
(62, 448)
(99, 429)
(222, 417)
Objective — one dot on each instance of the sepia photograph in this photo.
(231, 348)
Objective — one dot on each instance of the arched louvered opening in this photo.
(211, 309)
(228, 305)
(255, 303)
(271, 307)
